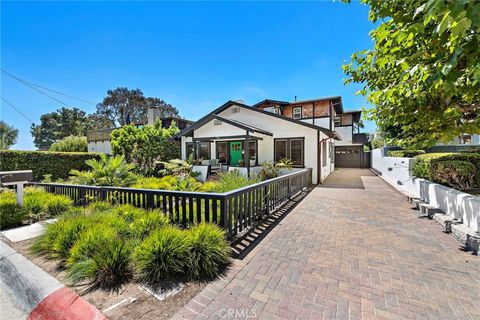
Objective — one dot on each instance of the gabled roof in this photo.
(270, 101)
(214, 115)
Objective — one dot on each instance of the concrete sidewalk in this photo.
(348, 252)
(29, 292)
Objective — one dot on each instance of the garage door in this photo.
(348, 156)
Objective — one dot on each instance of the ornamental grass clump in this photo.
(146, 223)
(100, 260)
(59, 238)
(11, 214)
(209, 251)
(163, 256)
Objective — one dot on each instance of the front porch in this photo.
(236, 146)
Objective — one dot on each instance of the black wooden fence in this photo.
(234, 211)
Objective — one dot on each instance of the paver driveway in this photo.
(348, 253)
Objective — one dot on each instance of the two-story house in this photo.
(327, 113)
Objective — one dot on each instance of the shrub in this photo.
(107, 171)
(58, 204)
(209, 186)
(162, 256)
(39, 204)
(146, 146)
(176, 167)
(233, 180)
(88, 243)
(35, 202)
(107, 268)
(58, 164)
(450, 169)
(127, 212)
(149, 221)
(456, 173)
(209, 251)
(11, 214)
(70, 144)
(59, 238)
(163, 183)
(405, 153)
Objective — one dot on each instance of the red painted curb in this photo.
(64, 304)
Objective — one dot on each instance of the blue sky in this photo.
(194, 55)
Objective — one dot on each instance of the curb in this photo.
(38, 294)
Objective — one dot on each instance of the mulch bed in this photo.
(138, 305)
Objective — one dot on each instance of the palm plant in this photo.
(107, 171)
(284, 163)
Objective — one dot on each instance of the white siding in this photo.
(100, 146)
(323, 122)
(346, 135)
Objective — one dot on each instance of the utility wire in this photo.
(35, 86)
(16, 109)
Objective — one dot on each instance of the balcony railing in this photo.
(99, 135)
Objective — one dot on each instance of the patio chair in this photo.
(215, 166)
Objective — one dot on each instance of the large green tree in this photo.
(62, 123)
(8, 135)
(147, 146)
(423, 74)
(122, 105)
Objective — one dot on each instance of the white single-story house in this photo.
(225, 133)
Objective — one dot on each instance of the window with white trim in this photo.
(297, 113)
(338, 121)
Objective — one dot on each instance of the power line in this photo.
(16, 109)
(35, 86)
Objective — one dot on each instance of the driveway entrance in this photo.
(346, 252)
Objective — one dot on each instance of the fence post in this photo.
(223, 212)
(102, 194)
(289, 188)
(267, 200)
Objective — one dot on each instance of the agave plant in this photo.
(107, 171)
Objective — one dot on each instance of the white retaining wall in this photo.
(456, 204)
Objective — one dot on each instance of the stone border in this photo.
(468, 237)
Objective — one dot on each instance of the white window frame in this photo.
(339, 121)
(294, 113)
(272, 110)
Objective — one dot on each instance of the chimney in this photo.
(240, 101)
(152, 114)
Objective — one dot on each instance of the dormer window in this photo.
(297, 113)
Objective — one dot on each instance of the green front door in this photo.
(235, 152)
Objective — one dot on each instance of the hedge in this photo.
(58, 164)
(457, 170)
(405, 153)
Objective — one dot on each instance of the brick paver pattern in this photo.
(348, 254)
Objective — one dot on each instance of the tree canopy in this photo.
(122, 105)
(146, 146)
(62, 123)
(8, 135)
(423, 74)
